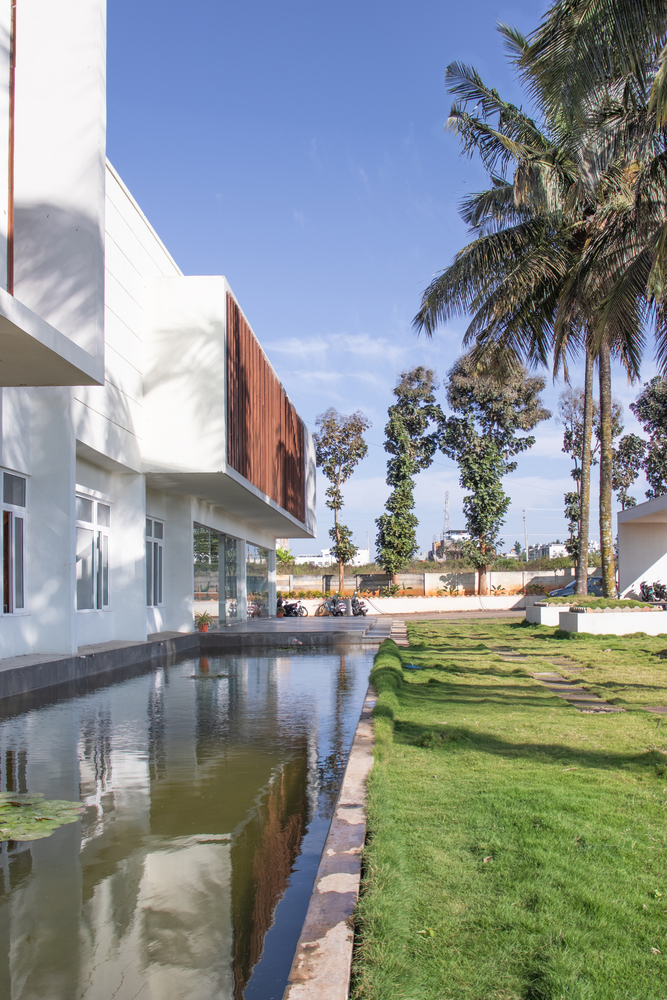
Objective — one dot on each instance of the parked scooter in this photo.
(332, 606)
(358, 606)
(646, 591)
(292, 609)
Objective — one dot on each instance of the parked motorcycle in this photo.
(646, 591)
(292, 609)
(660, 591)
(358, 607)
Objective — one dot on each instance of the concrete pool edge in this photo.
(323, 958)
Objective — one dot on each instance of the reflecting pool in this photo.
(209, 785)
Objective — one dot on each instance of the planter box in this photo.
(546, 615)
(412, 605)
(614, 622)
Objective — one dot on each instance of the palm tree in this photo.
(533, 278)
(582, 45)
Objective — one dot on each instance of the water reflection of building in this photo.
(263, 856)
(197, 806)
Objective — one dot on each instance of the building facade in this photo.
(149, 455)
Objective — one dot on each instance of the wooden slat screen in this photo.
(264, 431)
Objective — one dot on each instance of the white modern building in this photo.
(642, 545)
(551, 550)
(149, 455)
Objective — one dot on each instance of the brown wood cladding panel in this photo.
(264, 431)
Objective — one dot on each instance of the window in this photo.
(13, 543)
(93, 521)
(154, 547)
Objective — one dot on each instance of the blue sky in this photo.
(298, 148)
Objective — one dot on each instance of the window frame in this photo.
(154, 567)
(11, 515)
(100, 551)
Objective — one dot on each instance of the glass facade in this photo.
(257, 581)
(207, 576)
(216, 574)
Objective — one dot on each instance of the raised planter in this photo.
(596, 621)
(546, 614)
(412, 605)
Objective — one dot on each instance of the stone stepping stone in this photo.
(656, 709)
(399, 633)
(583, 701)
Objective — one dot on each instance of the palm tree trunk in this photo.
(585, 492)
(606, 473)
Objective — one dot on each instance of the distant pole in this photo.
(525, 534)
(368, 544)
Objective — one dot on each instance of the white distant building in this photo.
(552, 550)
(326, 558)
(454, 535)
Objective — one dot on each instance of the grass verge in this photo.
(516, 846)
(597, 602)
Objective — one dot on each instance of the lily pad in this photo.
(31, 817)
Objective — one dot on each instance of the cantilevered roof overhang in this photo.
(32, 352)
(235, 495)
(649, 512)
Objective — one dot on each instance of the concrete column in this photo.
(272, 583)
(51, 527)
(242, 594)
(128, 557)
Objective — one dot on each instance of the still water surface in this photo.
(209, 785)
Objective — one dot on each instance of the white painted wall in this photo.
(60, 164)
(185, 375)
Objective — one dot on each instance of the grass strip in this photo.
(516, 846)
(597, 602)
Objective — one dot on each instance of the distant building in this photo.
(326, 558)
(449, 546)
(552, 550)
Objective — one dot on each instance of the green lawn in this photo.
(516, 846)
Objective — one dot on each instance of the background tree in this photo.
(284, 556)
(650, 408)
(339, 447)
(412, 449)
(628, 462)
(492, 398)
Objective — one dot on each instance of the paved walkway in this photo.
(264, 626)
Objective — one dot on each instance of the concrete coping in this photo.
(323, 958)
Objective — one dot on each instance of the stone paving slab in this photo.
(578, 697)
(399, 633)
